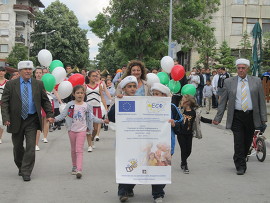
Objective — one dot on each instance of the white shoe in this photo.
(93, 146)
(90, 149)
(78, 174)
(97, 138)
(37, 148)
(159, 200)
(45, 140)
(0, 141)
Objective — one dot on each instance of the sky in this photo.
(85, 10)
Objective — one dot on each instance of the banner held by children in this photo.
(143, 140)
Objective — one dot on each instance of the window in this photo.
(237, 26)
(238, 1)
(3, 48)
(253, 1)
(266, 2)
(250, 24)
(4, 32)
(3, 1)
(265, 25)
(4, 16)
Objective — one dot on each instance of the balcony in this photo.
(20, 40)
(23, 9)
(20, 25)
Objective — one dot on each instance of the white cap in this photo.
(128, 79)
(242, 61)
(25, 64)
(162, 88)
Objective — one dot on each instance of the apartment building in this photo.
(231, 21)
(17, 21)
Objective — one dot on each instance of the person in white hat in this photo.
(22, 100)
(246, 110)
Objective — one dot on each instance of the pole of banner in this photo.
(170, 31)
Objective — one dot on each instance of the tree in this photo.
(266, 52)
(225, 57)
(245, 47)
(69, 43)
(206, 48)
(18, 53)
(140, 28)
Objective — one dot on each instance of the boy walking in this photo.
(207, 95)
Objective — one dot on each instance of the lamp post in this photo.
(41, 33)
(170, 31)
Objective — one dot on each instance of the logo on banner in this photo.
(126, 106)
(154, 107)
(133, 163)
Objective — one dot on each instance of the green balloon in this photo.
(48, 81)
(188, 89)
(54, 64)
(163, 77)
(174, 86)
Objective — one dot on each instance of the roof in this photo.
(38, 3)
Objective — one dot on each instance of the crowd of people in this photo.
(91, 107)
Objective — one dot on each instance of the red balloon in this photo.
(178, 72)
(76, 79)
(56, 87)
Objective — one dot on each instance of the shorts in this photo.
(97, 112)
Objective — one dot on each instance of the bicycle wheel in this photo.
(261, 149)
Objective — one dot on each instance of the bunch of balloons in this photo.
(56, 79)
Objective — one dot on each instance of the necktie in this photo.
(244, 102)
(25, 105)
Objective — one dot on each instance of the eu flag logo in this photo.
(126, 106)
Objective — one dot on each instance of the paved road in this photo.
(212, 175)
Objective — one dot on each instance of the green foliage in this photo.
(225, 57)
(18, 53)
(245, 47)
(69, 43)
(266, 52)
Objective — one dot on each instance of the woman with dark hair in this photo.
(137, 69)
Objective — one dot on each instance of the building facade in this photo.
(230, 22)
(17, 21)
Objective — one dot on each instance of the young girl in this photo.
(79, 118)
(3, 82)
(189, 128)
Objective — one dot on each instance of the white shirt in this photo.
(194, 80)
(238, 100)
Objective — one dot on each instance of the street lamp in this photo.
(41, 33)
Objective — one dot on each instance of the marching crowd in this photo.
(28, 109)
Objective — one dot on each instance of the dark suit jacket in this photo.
(229, 96)
(11, 103)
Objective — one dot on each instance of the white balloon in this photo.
(64, 89)
(44, 57)
(152, 78)
(167, 64)
(60, 74)
(62, 107)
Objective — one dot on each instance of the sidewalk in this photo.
(222, 125)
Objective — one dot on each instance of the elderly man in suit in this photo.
(246, 111)
(21, 112)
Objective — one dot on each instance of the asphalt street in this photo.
(212, 175)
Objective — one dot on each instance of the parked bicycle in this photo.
(258, 145)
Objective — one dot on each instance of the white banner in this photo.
(143, 140)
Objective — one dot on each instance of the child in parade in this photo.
(79, 118)
(3, 82)
(129, 86)
(189, 128)
(207, 95)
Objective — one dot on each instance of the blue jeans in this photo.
(199, 95)
(172, 142)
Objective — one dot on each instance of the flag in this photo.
(257, 48)
(126, 106)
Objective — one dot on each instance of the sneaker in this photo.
(185, 169)
(0, 141)
(90, 149)
(51, 128)
(93, 146)
(97, 138)
(105, 128)
(59, 127)
(78, 174)
(37, 148)
(159, 200)
(123, 198)
(74, 170)
(45, 140)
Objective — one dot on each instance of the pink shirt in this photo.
(79, 118)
